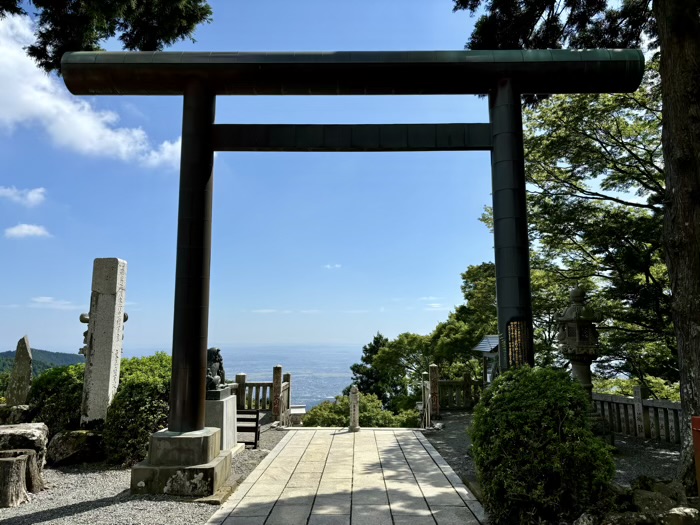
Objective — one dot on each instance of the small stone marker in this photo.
(354, 409)
(21, 378)
(103, 350)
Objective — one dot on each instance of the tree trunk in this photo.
(32, 475)
(679, 34)
(13, 491)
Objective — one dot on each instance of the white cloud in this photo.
(312, 311)
(264, 311)
(355, 311)
(28, 198)
(26, 230)
(29, 97)
(428, 298)
(52, 304)
(332, 266)
(435, 307)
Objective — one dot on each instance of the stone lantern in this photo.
(578, 338)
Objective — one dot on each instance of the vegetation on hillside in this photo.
(372, 414)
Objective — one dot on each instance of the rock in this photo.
(75, 446)
(26, 435)
(628, 518)
(651, 502)
(680, 516)
(32, 475)
(13, 415)
(21, 377)
(643, 483)
(13, 485)
(622, 498)
(673, 490)
(585, 519)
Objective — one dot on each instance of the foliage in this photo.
(55, 398)
(72, 25)
(139, 408)
(658, 388)
(372, 379)
(535, 454)
(4, 381)
(337, 414)
(158, 365)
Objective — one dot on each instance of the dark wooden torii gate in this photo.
(199, 77)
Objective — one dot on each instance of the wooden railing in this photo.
(275, 395)
(455, 395)
(635, 416)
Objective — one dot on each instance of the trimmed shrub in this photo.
(139, 408)
(536, 456)
(337, 414)
(55, 398)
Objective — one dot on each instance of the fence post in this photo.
(287, 378)
(468, 399)
(240, 392)
(354, 409)
(641, 422)
(425, 398)
(434, 391)
(276, 391)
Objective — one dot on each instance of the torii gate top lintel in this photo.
(354, 73)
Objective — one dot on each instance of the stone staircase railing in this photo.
(275, 395)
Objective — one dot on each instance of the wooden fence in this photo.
(445, 394)
(635, 416)
(275, 395)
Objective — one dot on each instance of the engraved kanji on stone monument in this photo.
(103, 338)
(21, 377)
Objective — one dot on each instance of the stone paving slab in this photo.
(335, 477)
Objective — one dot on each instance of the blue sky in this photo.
(308, 248)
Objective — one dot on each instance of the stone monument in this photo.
(220, 404)
(21, 377)
(103, 338)
(354, 409)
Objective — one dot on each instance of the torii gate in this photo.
(199, 77)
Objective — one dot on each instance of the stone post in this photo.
(434, 392)
(287, 378)
(103, 351)
(240, 391)
(425, 393)
(21, 377)
(276, 391)
(354, 409)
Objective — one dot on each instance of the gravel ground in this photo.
(633, 457)
(99, 495)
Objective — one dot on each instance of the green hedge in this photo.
(55, 398)
(535, 454)
(139, 408)
(337, 414)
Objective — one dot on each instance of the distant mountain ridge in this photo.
(41, 360)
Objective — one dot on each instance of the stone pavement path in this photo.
(332, 476)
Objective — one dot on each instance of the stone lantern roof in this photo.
(578, 311)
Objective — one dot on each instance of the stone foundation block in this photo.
(184, 448)
(222, 414)
(192, 480)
